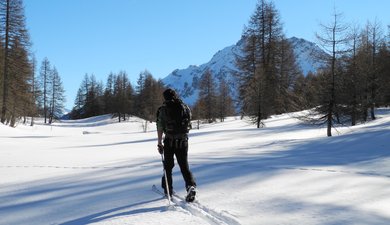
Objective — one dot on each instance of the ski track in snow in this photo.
(195, 208)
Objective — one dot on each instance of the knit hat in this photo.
(169, 94)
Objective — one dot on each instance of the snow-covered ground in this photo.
(98, 171)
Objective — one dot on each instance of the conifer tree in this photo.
(225, 105)
(333, 39)
(109, 94)
(352, 86)
(123, 96)
(80, 104)
(45, 82)
(375, 41)
(208, 97)
(287, 72)
(384, 72)
(92, 106)
(267, 66)
(57, 99)
(35, 90)
(15, 66)
(19, 84)
(149, 97)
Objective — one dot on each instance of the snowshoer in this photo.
(174, 122)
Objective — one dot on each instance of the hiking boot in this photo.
(191, 192)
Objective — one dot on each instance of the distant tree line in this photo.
(214, 101)
(119, 97)
(21, 92)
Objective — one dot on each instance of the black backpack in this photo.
(178, 120)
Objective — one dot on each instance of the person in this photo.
(173, 122)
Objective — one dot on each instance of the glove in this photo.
(160, 148)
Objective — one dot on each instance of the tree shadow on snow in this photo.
(98, 193)
(290, 211)
(116, 212)
(345, 150)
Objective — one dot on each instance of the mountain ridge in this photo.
(222, 66)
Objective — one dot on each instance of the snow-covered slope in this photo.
(222, 66)
(307, 54)
(97, 171)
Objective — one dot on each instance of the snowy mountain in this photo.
(306, 53)
(222, 65)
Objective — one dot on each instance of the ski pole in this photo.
(166, 179)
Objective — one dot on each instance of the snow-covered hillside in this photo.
(97, 171)
(307, 54)
(222, 65)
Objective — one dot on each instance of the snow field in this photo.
(98, 171)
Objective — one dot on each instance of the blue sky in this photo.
(102, 36)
